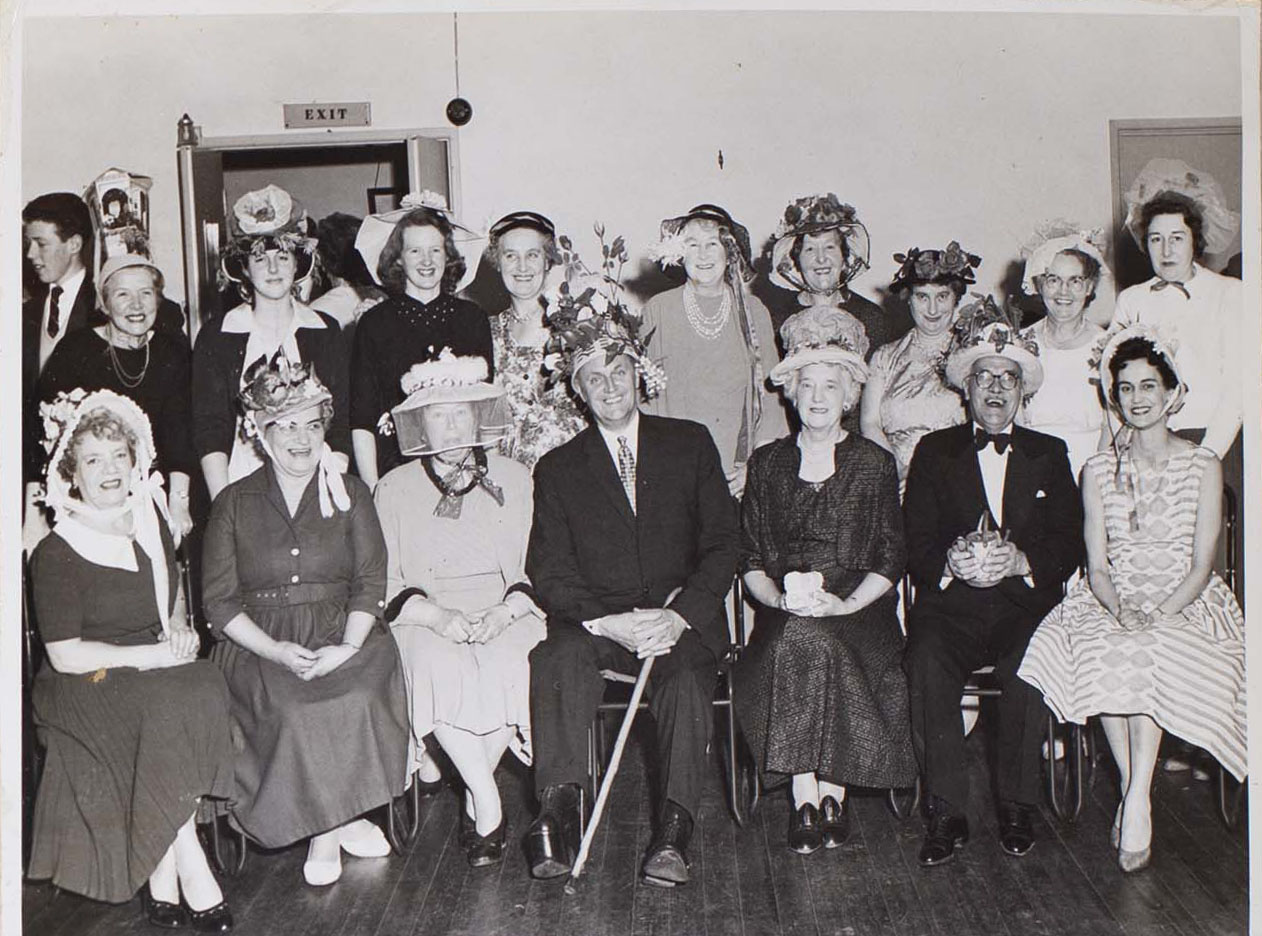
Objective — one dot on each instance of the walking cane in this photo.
(605, 785)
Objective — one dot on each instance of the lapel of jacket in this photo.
(84, 305)
(1018, 493)
(969, 485)
(601, 467)
(650, 468)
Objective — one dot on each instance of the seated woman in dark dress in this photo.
(295, 578)
(136, 728)
(268, 259)
(820, 690)
(414, 256)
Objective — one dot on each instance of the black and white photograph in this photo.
(687, 468)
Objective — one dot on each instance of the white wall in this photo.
(936, 126)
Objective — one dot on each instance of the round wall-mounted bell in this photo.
(459, 111)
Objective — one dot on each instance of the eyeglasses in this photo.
(985, 379)
(1076, 284)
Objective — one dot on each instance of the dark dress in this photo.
(310, 756)
(826, 695)
(394, 335)
(128, 751)
(82, 359)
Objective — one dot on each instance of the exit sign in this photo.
(346, 114)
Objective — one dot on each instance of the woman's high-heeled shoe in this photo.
(162, 913)
(806, 835)
(218, 919)
(321, 873)
(488, 849)
(1130, 861)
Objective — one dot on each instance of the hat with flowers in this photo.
(983, 329)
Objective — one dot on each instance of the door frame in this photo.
(191, 139)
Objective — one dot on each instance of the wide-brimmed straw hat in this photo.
(450, 379)
(821, 335)
(815, 214)
(983, 329)
(376, 229)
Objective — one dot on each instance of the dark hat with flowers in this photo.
(934, 266)
(815, 214)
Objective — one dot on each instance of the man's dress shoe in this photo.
(946, 832)
(553, 838)
(666, 862)
(1016, 829)
(806, 834)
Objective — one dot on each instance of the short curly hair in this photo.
(101, 423)
(1173, 203)
(390, 265)
(551, 255)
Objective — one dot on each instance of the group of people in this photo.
(569, 488)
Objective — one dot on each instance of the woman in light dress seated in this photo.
(1152, 640)
(456, 522)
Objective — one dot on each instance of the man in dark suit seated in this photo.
(633, 548)
(994, 528)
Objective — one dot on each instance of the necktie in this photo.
(1002, 440)
(626, 470)
(1162, 284)
(54, 313)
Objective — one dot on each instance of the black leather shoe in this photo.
(552, 839)
(945, 834)
(161, 913)
(218, 919)
(666, 861)
(428, 788)
(486, 850)
(834, 818)
(806, 835)
(1016, 829)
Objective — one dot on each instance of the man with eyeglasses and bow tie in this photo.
(994, 528)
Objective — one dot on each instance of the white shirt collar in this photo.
(240, 320)
(631, 433)
(104, 549)
(70, 286)
(994, 468)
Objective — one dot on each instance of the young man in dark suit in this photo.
(980, 598)
(633, 548)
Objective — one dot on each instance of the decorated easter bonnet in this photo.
(815, 214)
(1106, 349)
(450, 379)
(146, 499)
(669, 249)
(821, 335)
(376, 229)
(982, 329)
(277, 389)
(1162, 175)
(928, 266)
(267, 219)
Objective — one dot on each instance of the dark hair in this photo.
(159, 281)
(551, 255)
(1090, 270)
(101, 423)
(66, 212)
(113, 195)
(390, 264)
(795, 252)
(1173, 203)
(236, 261)
(957, 284)
(336, 233)
(1140, 349)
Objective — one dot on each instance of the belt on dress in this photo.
(303, 593)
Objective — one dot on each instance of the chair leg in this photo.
(1055, 794)
(1229, 801)
(903, 805)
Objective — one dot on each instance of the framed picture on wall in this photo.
(381, 200)
(1209, 145)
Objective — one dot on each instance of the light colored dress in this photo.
(916, 400)
(1189, 677)
(544, 415)
(466, 563)
(1068, 403)
(718, 381)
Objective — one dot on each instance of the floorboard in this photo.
(745, 881)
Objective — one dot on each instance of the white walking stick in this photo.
(605, 785)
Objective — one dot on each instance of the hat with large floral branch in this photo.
(815, 214)
(928, 266)
(588, 317)
(267, 219)
(1160, 176)
(822, 335)
(983, 329)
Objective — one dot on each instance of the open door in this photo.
(202, 214)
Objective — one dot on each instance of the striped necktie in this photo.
(54, 311)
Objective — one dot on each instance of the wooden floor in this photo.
(745, 881)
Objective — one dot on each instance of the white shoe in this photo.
(321, 873)
(363, 840)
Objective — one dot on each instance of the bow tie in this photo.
(1162, 284)
(982, 438)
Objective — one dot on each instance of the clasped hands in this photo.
(998, 563)
(646, 633)
(309, 664)
(821, 604)
(1135, 619)
(476, 627)
(178, 647)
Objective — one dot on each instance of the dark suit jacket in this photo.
(1042, 512)
(589, 555)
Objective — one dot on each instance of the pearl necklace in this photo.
(708, 327)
